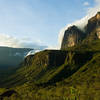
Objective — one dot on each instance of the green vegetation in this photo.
(56, 75)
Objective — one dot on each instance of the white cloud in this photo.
(86, 3)
(97, 1)
(6, 40)
(52, 48)
(82, 22)
(10, 41)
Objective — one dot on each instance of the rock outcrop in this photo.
(93, 28)
(71, 37)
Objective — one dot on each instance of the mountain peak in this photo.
(71, 37)
(72, 27)
(98, 16)
(95, 19)
(93, 28)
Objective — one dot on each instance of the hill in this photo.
(58, 75)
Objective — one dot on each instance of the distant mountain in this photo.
(12, 57)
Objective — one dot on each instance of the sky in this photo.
(29, 23)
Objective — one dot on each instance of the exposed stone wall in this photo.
(71, 37)
(98, 32)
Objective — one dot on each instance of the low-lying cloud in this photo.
(10, 41)
(82, 22)
(6, 40)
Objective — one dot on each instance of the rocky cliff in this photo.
(93, 28)
(73, 35)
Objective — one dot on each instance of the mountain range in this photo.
(72, 73)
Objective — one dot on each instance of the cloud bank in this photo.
(82, 22)
(10, 41)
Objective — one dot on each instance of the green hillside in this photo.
(57, 75)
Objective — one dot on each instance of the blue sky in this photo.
(39, 21)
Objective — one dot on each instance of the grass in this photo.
(48, 77)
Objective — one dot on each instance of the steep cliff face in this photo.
(71, 37)
(45, 58)
(47, 67)
(93, 28)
